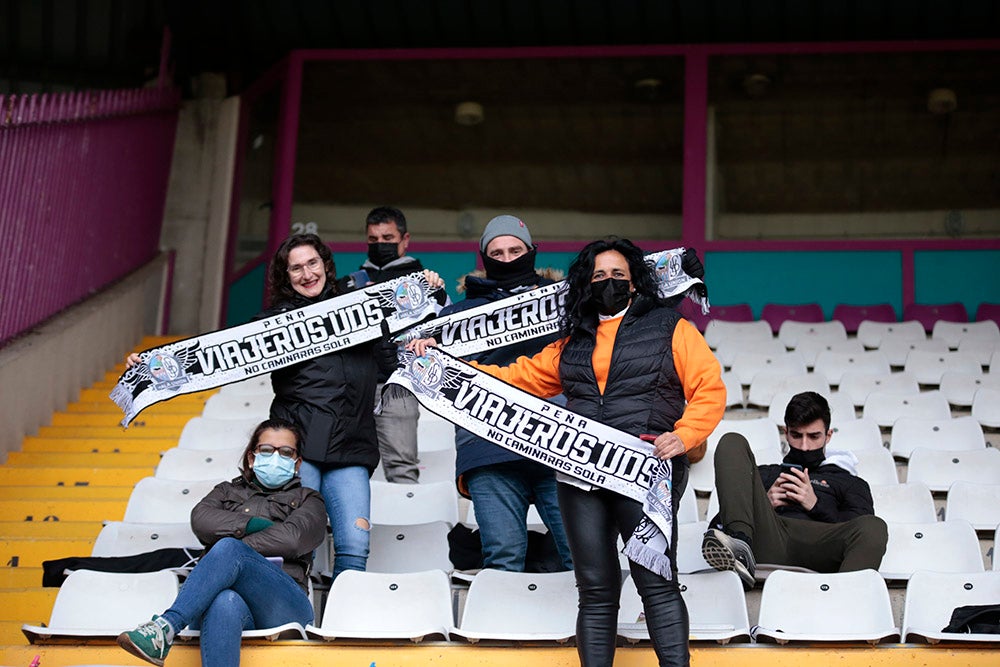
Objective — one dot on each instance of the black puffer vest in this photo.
(643, 393)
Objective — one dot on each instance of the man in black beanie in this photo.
(502, 484)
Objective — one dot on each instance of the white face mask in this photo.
(273, 470)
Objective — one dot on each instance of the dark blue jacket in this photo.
(472, 451)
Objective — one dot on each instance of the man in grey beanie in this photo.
(502, 484)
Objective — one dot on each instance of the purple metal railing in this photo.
(83, 180)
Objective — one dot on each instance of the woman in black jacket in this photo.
(331, 398)
(260, 530)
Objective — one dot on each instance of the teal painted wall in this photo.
(969, 276)
(245, 297)
(826, 278)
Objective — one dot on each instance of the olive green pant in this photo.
(857, 544)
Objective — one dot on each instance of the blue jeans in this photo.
(233, 588)
(348, 498)
(502, 494)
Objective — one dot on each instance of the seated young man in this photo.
(811, 511)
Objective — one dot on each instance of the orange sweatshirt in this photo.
(696, 366)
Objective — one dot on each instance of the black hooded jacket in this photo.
(332, 398)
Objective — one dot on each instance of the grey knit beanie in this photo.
(504, 225)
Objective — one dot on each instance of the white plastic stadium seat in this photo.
(255, 386)
(119, 538)
(689, 538)
(953, 333)
(734, 390)
(856, 385)
(960, 388)
(717, 331)
(981, 348)
(833, 365)
(235, 406)
(104, 604)
(436, 465)
(810, 348)
(876, 466)
(435, 435)
(413, 548)
(716, 606)
(979, 504)
(931, 597)
(986, 406)
(156, 500)
(766, 385)
(209, 433)
(857, 434)
(872, 334)
(940, 546)
(885, 408)
(520, 606)
(731, 348)
(406, 504)
(938, 469)
(747, 364)
(952, 434)
(373, 605)
(897, 350)
(195, 465)
(820, 607)
(928, 367)
(764, 440)
(904, 503)
(793, 333)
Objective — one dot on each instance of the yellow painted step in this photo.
(10, 634)
(147, 460)
(171, 407)
(65, 493)
(28, 605)
(65, 530)
(96, 445)
(62, 510)
(99, 394)
(31, 553)
(111, 432)
(20, 577)
(11, 476)
(102, 419)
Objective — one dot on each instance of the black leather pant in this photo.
(593, 520)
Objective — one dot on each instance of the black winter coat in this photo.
(298, 513)
(332, 398)
(840, 495)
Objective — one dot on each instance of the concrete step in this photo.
(62, 510)
(147, 460)
(111, 432)
(65, 493)
(96, 445)
(33, 552)
(20, 577)
(151, 420)
(65, 530)
(72, 476)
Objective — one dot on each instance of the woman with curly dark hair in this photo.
(629, 361)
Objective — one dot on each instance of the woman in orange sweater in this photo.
(627, 360)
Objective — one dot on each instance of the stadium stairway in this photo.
(79, 471)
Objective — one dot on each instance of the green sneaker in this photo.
(150, 641)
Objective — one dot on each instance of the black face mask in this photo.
(381, 254)
(807, 459)
(516, 273)
(610, 295)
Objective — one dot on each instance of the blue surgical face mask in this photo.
(273, 470)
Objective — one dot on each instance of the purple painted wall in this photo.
(83, 179)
